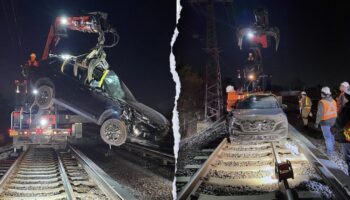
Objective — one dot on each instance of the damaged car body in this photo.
(86, 86)
(104, 100)
(259, 115)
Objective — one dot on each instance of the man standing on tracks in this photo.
(326, 116)
(341, 99)
(305, 108)
(342, 126)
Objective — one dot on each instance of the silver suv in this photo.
(259, 115)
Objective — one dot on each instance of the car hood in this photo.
(259, 113)
(150, 113)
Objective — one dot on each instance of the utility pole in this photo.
(213, 88)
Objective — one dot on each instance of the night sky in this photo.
(141, 59)
(314, 43)
(314, 46)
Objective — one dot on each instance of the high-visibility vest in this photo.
(329, 109)
(307, 102)
(347, 132)
(232, 96)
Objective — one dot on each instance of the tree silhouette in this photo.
(191, 101)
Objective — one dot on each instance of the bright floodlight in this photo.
(251, 77)
(64, 21)
(35, 91)
(66, 56)
(43, 122)
(250, 35)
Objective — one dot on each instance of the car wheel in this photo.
(44, 97)
(114, 132)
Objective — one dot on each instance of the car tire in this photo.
(44, 98)
(114, 132)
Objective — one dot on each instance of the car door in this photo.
(92, 102)
(65, 84)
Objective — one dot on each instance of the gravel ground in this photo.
(191, 147)
(316, 138)
(143, 182)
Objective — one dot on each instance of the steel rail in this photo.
(287, 192)
(197, 178)
(331, 174)
(11, 170)
(66, 183)
(147, 151)
(6, 148)
(110, 187)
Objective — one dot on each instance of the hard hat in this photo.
(325, 90)
(32, 55)
(230, 88)
(345, 84)
(303, 93)
(347, 91)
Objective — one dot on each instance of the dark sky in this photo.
(314, 43)
(141, 59)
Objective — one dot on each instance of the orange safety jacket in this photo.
(33, 63)
(232, 98)
(329, 109)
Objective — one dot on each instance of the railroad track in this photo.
(245, 169)
(149, 153)
(241, 167)
(46, 173)
(6, 159)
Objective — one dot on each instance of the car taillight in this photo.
(39, 131)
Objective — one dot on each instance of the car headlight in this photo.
(281, 125)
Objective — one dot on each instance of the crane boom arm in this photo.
(93, 23)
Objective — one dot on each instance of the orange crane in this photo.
(94, 22)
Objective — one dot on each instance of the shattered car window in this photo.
(258, 102)
(116, 88)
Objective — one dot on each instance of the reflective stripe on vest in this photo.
(347, 132)
(329, 109)
(307, 103)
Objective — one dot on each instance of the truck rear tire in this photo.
(114, 132)
(44, 98)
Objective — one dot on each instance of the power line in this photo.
(18, 33)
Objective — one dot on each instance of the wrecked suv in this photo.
(259, 115)
(107, 103)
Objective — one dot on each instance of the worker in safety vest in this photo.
(326, 116)
(341, 99)
(232, 98)
(305, 108)
(32, 62)
(342, 126)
